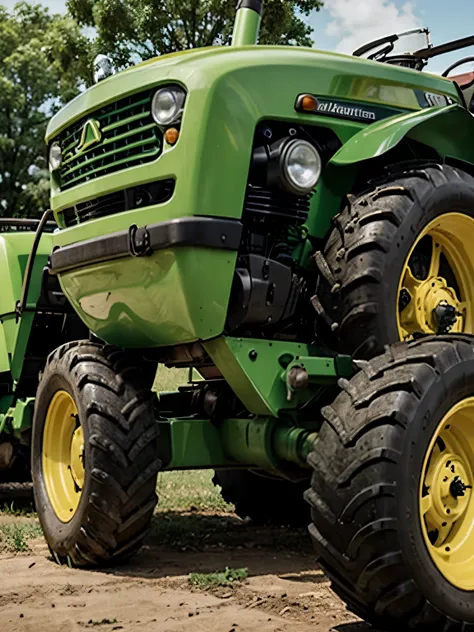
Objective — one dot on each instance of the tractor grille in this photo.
(276, 204)
(127, 137)
(125, 200)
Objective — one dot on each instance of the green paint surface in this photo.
(170, 297)
(256, 371)
(443, 128)
(263, 442)
(229, 91)
(246, 28)
(14, 333)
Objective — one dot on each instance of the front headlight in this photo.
(167, 105)
(55, 157)
(301, 167)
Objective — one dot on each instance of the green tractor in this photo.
(296, 228)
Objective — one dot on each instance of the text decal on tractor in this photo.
(343, 109)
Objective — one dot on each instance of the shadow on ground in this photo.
(187, 542)
(354, 627)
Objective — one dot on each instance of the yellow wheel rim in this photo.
(446, 496)
(63, 456)
(436, 289)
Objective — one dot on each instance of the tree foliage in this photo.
(134, 30)
(44, 59)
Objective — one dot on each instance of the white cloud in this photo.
(361, 21)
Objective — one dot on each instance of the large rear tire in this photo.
(94, 455)
(391, 496)
(398, 252)
(264, 498)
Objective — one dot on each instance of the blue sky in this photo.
(345, 24)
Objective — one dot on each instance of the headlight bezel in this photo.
(288, 180)
(55, 162)
(178, 95)
(270, 163)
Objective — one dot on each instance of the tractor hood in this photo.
(319, 72)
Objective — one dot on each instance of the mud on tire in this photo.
(366, 252)
(120, 432)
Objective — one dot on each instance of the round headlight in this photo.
(55, 156)
(167, 105)
(301, 166)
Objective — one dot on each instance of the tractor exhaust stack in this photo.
(247, 22)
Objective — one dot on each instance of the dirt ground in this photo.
(285, 591)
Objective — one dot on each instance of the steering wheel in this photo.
(389, 39)
(465, 60)
(407, 60)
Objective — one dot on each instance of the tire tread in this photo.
(122, 451)
(356, 250)
(355, 535)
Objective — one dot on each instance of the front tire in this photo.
(400, 261)
(392, 503)
(94, 455)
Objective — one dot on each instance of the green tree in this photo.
(134, 30)
(44, 60)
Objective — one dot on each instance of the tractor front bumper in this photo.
(158, 285)
(191, 232)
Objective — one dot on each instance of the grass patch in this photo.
(190, 490)
(15, 537)
(169, 379)
(21, 507)
(223, 578)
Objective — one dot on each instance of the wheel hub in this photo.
(447, 500)
(433, 306)
(77, 458)
(447, 476)
(63, 456)
(458, 487)
(435, 292)
(445, 317)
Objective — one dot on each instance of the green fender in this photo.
(449, 130)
